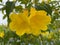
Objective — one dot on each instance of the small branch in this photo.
(2, 5)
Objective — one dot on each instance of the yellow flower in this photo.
(1, 34)
(33, 24)
(39, 19)
(19, 23)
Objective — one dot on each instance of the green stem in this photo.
(8, 20)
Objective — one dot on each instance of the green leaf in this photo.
(48, 8)
(4, 16)
(3, 9)
(44, 6)
(0, 0)
(9, 7)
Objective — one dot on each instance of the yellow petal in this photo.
(41, 12)
(13, 16)
(36, 32)
(32, 11)
(20, 32)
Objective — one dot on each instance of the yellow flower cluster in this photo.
(33, 24)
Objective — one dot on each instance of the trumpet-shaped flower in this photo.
(39, 19)
(19, 23)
